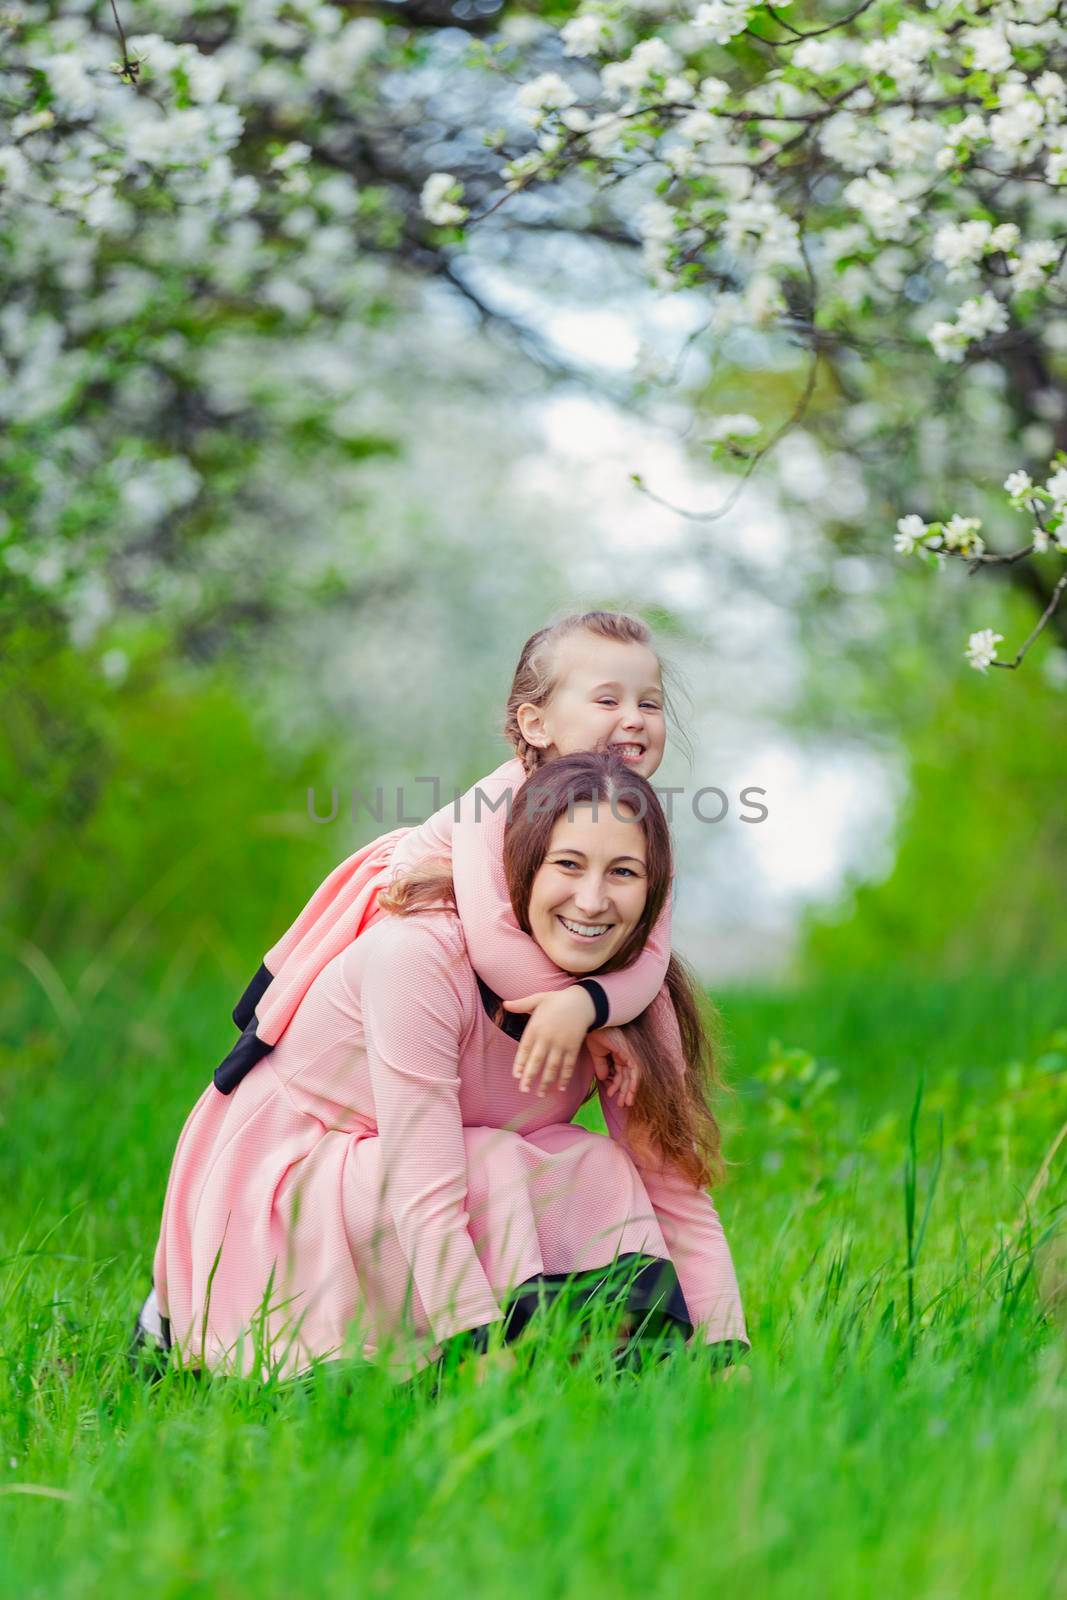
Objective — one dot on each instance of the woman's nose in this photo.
(590, 897)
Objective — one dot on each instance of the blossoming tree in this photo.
(886, 188)
(186, 212)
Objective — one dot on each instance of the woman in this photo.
(382, 1169)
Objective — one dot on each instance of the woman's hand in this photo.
(614, 1065)
(553, 1037)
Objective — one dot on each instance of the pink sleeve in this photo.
(430, 838)
(689, 1223)
(414, 1021)
(508, 960)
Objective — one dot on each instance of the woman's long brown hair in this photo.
(671, 1107)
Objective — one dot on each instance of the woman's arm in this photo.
(689, 1223)
(508, 960)
(414, 1021)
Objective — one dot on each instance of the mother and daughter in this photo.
(370, 1172)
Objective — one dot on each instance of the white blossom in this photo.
(818, 55)
(651, 58)
(656, 220)
(901, 54)
(887, 209)
(1051, 88)
(981, 649)
(712, 93)
(962, 245)
(115, 665)
(977, 318)
(1015, 131)
(74, 91)
(154, 488)
(517, 173)
(440, 198)
(678, 89)
(912, 141)
(1018, 483)
(294, 155)
(981, 316)
(336, 63)
(204, 76)
(1040, 540)
(756, 219)
(1029, 267)
(961, 533)
(14, 169)
(549, 92)
(735, 425)
(722, 19)
(851, 143)
(31, 122)
(589, 33)
(911, 531)
(104, 210)
(957, 138)
(1057, 488)
(989, 47)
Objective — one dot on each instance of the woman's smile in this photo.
(585, 931)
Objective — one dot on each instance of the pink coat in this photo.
(380, 1176)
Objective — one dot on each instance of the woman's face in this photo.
(590, 890)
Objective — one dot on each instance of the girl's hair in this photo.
(536, 678)
(671, 1107)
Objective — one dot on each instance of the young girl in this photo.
(590, 681)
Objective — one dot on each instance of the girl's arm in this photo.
(687, 1217)
(508, 960)
(414, 1021)
(430, 838)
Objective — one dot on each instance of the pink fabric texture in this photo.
(381, 1170)
(471, 835)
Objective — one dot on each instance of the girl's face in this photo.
(609, 695)
(589, 891)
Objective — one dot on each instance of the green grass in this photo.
(902, 1433)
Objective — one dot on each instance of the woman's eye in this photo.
(626, 872)
(566, 863)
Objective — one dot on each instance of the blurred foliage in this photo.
(982, 852)
(142, 819)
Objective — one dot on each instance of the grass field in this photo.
(903, 1432)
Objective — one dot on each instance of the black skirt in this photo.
(643, 1289)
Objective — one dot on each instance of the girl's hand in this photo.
(553, 1037)
(613, 1064)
